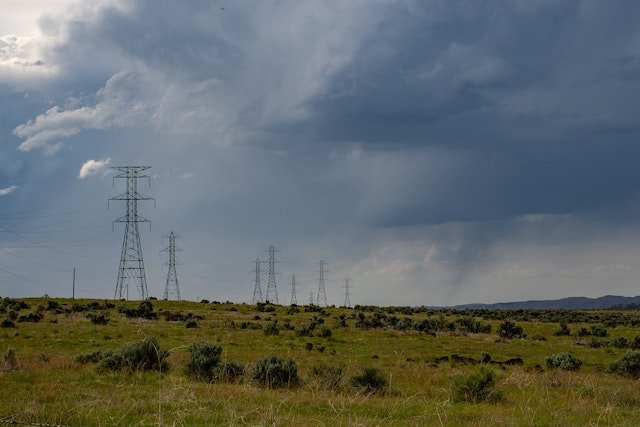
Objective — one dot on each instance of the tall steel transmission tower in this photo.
(131, 262)
(171, 287)
(347, 292)
(322, 293)
(310, 297)
(257, 290)
(271, 284)
(294, 298)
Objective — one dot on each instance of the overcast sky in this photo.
(435, 152)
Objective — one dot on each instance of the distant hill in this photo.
(570, 303)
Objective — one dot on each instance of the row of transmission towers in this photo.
(131, 270)
(272, 290)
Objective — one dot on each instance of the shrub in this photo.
(620, 342)
(485, 357)
(469, 324)
(98, 319)
(627, 365)
(479, 387)
(142, 356)
(91, 356)
(329, 376)
(275, 372)
(564, 330)
(6, 323)
(31, 317)
(271, 328)
(564, 361)
(599, 331)
(10, 359)
(372, 379)
(325, 332)
(191, 324)
(635, 343)
(229, 371)
(304, 331)
(509, 329)
(144, 311)
(204, 358)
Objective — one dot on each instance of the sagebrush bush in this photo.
(91, 356)
(475, 388)
(145, 355)
(204, 358)
(563, 331)
(271, 328)
(274, 372)
(372, 379)
(7, 323)
(564, 361)
(325, 332)
(485, 357)
(509, 329)
(329, 376)
(620, 342)
(627, 365)
(98, 318)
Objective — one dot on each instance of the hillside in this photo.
(570, 303)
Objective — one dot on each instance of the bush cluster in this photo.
(143, 311)
(509, 329)
(564, 361)
(145, 355)
(627, 365)
(274, 372)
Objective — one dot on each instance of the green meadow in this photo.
(422, 356)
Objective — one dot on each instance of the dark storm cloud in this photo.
(431, 131)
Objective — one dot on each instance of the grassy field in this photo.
(44, 384)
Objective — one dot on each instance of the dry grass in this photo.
(59, 390)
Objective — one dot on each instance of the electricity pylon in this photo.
(131, 262)
(294, 298)
(322, 293)
(171, 287)
(347, 293)
(257, 290)
(271, 284)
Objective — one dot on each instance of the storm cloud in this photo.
(435, 151)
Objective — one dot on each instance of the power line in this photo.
(131, 261)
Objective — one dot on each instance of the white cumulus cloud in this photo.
(8, 190)
(93, 167)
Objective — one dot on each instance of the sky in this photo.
(436, 152)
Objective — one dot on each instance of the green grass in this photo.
(420, 393)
